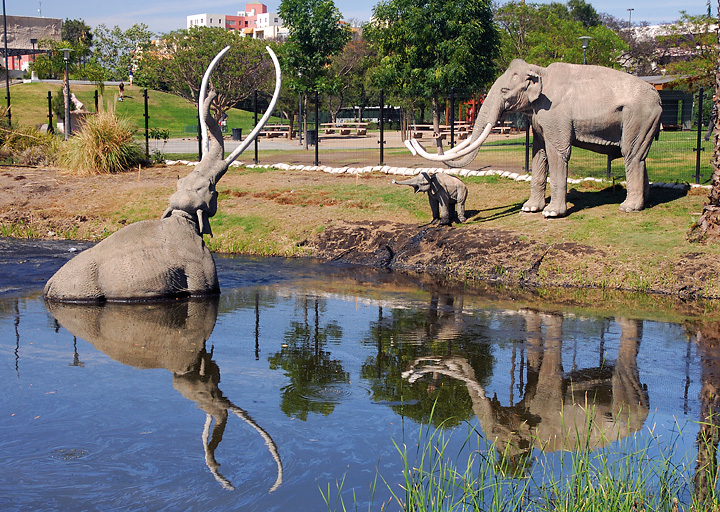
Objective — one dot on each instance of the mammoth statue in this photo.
(444, 193)
(162, 258)
(589, 107)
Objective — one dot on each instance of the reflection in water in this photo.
(168, 335)
(586, 407)
(314, 375)
(706, 470)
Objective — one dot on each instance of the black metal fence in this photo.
(680, 153)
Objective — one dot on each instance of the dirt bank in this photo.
(355, 219)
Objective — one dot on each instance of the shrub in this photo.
(103, 144)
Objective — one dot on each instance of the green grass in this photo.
(644, 472)
(166, 111)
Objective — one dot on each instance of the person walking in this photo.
(121, 90)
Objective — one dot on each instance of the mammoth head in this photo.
(419, 183)
(196, 194)
(520, 85)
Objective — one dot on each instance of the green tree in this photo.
(707, 226)
(118, 51)
(316, 32)
(349, 70)
(693, 43)
(426, 47)
(543, 34)
(51, 64)
(178, 63)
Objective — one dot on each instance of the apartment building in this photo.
(255, 21)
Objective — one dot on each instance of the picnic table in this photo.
(345, 127)
(462, 130)
(276, 130)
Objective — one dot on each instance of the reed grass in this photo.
(103, 144)
(645, 472)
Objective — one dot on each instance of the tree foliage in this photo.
(690, 50)
(316, 33)
(118, 51)
(426, 47)
(179, 62)
(349, 70)
(543, 34)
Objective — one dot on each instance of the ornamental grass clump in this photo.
(103, 144)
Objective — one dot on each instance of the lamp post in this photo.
(66, 58)
(630, 10)
(33, 42)
(7, 69)
(585, 40)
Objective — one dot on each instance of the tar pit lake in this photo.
(307, 386)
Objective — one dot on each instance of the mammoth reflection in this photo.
(558, 409)
(171, 336)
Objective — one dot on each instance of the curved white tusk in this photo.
(457, 154)
(278, 83)
(201, 100)
(410, 147)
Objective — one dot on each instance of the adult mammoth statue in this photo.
(163, 258)
(590, 107)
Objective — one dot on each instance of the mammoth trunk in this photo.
(490, 111)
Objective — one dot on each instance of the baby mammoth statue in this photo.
(444, 193)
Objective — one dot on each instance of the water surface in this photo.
(301, 375)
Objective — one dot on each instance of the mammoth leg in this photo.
(539, 177)
(635, 147)
(462, 195)
(558, 165)
(446, 210)
(434, 207)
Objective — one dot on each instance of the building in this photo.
(23, 34)
(255, 21)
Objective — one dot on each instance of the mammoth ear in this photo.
(534, 87)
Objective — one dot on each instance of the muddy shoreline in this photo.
(498, 245)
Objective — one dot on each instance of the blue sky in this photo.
(164, 15)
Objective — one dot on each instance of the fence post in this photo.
(199, 138)
(452, 117)
(317, 125)
(698, 146)
(50, 114)
(527, 147)
(382, 127)
(147, 126)
(301, 125)
(255, 110)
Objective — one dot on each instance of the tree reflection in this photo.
(406, 335)
(706, 470)
(172, 336)
(313, 375)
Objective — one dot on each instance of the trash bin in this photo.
(236, 133)
(311, 137)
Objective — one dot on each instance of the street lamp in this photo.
(33, 42)
(630, 10)
(585, 40)
(7, 69)
(66, 58)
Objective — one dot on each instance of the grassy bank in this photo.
(275, 212)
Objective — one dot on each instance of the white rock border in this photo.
(411, 171)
